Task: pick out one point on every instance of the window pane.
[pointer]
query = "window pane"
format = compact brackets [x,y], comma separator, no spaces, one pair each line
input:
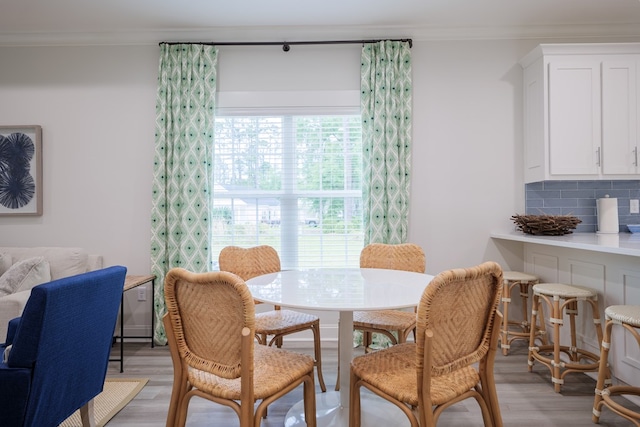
[292,182]
[248,153]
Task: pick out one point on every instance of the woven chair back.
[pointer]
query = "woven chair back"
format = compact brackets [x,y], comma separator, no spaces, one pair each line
[459,307]
[208,312]
[404,256]
[249,262]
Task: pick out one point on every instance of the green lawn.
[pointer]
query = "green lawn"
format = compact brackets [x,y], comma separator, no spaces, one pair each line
[315,249]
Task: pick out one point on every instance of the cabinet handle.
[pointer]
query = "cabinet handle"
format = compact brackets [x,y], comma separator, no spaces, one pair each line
[598,157]
[635,156]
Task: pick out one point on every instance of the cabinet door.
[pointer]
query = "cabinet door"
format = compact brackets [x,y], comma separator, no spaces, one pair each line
[574,118]
[534,124]
[619,117]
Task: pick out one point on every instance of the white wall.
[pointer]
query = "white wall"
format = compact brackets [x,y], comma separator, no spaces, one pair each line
[467,156]
[96,106]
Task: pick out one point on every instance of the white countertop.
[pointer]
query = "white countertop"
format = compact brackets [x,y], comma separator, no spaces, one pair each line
[621,243]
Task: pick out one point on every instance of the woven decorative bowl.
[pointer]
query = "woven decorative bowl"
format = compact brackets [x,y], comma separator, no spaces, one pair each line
[546,225]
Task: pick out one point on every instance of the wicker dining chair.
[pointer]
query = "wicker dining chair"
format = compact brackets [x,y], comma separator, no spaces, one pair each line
[458,327]
[256,261]
[210,324]
[405,256]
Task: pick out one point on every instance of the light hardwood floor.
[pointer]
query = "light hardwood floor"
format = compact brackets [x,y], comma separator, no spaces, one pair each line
[526,399]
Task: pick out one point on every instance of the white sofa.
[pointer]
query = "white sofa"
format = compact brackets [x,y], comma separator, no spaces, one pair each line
[63,262]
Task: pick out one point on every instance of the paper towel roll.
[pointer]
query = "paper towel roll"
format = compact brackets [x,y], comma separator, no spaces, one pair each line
[611,240]
[607,215]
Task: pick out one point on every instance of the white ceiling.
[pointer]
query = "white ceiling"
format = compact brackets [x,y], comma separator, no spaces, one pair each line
[64,21]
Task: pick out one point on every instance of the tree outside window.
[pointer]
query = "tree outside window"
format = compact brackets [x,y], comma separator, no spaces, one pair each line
[292,182]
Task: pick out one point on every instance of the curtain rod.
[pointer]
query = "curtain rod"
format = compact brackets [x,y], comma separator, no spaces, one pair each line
[286,46]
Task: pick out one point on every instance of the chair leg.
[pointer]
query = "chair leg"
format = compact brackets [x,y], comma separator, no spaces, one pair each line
[487,379]
[262,339]
[309,401]
[180,384]
[178,391]
[181,416]
[367,339]
[318,354]
[354,402]
[405,335]
[87,415]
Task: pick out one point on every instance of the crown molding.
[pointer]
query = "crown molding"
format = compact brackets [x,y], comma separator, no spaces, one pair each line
[291,33]
[577,31]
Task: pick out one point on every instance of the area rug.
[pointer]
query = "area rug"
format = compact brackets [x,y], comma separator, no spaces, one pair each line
[117,393]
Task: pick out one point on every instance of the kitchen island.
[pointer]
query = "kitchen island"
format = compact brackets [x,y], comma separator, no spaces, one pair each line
[607,263]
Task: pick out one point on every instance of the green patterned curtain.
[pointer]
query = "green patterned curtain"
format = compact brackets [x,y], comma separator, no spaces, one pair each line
[182,165]
[385,103]
[386,138]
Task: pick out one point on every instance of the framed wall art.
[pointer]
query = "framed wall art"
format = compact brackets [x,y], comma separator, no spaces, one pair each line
[20,170]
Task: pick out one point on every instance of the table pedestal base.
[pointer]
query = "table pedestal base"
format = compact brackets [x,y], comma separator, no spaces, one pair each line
[376,412]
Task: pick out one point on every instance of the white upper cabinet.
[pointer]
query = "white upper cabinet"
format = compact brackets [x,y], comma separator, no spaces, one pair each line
[574,117]
[620,116]
[580,112]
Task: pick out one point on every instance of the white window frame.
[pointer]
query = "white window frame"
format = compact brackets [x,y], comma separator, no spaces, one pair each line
[280,103]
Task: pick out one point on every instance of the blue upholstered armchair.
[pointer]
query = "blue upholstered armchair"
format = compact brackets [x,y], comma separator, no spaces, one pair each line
[60,348]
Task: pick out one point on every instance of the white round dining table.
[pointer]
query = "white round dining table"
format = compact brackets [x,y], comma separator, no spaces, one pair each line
[344,290]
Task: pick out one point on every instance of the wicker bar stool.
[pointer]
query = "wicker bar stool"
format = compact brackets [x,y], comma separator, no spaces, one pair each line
[627,316]
[579,360]
[525,282]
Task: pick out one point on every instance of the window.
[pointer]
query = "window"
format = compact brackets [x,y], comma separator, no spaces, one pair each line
[292,181]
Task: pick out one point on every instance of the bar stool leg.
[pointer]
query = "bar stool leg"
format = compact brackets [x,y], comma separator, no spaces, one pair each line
[524,296]
[524,282]
[535,303]
[604,375]
[542,327]
[596,320]
[628,318]
[572,311]
[557,320]
[562,299]
[506,299]
[540,330]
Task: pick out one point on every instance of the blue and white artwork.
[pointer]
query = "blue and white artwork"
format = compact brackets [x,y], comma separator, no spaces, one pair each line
[19,171]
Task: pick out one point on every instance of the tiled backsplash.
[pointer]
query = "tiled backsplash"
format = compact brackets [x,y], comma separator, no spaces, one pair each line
[578,198]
